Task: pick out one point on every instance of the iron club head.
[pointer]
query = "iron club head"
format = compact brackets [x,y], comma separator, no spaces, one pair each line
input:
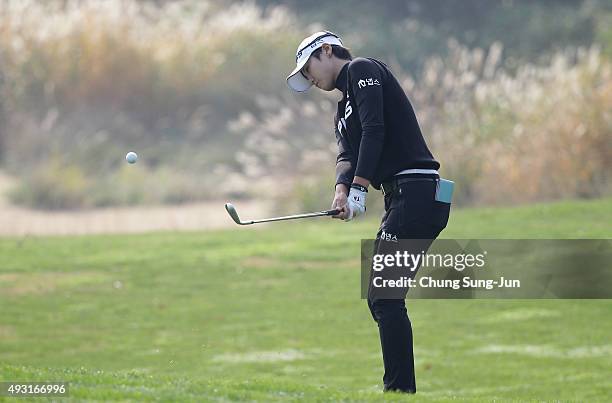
[231,210]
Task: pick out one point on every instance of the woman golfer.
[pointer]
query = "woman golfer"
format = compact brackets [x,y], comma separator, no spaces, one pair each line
[379,144]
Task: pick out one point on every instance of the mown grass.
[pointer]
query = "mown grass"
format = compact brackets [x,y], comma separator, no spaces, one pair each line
[273,314]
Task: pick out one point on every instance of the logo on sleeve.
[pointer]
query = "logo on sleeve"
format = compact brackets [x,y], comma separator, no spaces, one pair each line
[341,125]
[348,109]
[367,82]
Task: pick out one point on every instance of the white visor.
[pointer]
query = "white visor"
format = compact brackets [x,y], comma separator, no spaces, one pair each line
[296,80]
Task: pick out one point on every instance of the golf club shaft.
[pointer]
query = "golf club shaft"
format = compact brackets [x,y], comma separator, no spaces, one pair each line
[296,216]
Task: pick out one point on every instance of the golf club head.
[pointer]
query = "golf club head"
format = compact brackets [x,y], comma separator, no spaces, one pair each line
[231,210]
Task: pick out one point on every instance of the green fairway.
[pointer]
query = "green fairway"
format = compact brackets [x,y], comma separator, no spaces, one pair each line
[273,313]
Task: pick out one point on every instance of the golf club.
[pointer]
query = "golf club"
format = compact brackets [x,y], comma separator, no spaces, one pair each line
[231,210]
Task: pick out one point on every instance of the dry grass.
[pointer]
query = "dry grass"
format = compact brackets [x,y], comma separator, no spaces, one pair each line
[85,80]
[539,133]
[18,221]
[198,216]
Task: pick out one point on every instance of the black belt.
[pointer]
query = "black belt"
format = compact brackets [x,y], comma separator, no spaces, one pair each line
[388,187]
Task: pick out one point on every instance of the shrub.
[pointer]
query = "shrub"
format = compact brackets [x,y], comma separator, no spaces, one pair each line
[54,185]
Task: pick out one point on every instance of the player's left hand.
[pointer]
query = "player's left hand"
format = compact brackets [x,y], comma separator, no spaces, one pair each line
[356,202]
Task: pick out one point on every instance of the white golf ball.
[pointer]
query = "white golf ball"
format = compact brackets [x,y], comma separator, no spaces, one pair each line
[131,157]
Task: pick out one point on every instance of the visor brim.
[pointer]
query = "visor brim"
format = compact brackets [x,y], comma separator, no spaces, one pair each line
[296,80]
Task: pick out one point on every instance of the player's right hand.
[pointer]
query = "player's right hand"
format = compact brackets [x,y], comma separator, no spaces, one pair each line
[340,203]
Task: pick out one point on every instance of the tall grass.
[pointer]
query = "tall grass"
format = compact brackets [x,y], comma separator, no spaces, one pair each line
[84,81]
[540,133]
[197,88]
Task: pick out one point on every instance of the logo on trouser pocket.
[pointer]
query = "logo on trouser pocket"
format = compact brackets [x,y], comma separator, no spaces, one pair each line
[387,236]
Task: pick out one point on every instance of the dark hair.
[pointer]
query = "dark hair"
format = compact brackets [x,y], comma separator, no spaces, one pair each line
[337,50]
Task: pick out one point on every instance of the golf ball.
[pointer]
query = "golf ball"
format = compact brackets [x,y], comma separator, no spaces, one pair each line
[131,157]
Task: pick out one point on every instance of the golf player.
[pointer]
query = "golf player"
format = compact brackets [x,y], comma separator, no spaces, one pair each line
[380,144]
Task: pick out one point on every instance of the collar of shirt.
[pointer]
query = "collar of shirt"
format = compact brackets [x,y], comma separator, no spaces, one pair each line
[341,79]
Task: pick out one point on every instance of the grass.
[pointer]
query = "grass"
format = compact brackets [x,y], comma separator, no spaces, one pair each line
[273,314]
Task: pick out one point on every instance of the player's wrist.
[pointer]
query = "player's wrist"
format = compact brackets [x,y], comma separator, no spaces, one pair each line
[341,188]
[359,187]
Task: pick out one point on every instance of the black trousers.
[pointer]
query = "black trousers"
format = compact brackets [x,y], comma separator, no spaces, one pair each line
[411,212]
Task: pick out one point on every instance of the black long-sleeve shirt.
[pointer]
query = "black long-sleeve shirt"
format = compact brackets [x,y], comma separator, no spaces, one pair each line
[376,128]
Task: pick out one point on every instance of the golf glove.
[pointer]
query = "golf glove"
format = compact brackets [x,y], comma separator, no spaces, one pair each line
[356,201]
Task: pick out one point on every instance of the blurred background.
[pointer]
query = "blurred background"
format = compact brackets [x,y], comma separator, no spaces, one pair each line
[514,98]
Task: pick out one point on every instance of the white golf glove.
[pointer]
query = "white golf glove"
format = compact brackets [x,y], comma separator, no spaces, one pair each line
[356,201]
